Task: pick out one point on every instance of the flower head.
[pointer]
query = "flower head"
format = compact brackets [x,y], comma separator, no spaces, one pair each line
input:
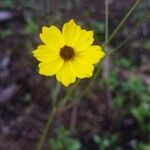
[67,54]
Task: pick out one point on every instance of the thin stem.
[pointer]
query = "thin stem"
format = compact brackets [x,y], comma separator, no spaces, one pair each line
[67,96]
[44,134]
[106,64]
[64,100]
[106,20]
[106,61]
[139,22]
[48,9]
[91,83]
[55,93]
[83,93]
[123,21]
[52,115]
[106,39]
[122,43]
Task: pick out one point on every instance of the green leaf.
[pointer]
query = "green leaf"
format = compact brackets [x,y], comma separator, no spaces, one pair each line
[64,141]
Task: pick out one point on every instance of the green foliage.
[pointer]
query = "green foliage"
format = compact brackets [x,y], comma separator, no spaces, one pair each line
[140,96]
[7,3]
[5,33]
[64,141]
[104,143]
[147,44]
[112,80]
[134,86]
[119,101]
[31,27]
[99,27]
[141,113]
[142,109]
[133,95]
[141,146]
[125,63]
[144,146]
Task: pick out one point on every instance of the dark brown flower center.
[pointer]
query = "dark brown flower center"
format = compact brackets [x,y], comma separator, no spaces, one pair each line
[67,53]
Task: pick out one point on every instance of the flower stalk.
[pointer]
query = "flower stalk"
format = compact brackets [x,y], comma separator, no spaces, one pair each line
[123,21]
[46,130]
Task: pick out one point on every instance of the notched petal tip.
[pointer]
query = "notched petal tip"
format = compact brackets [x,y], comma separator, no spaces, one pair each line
[42,72]
[100,50]
[91,73]
[102,54]
[72,21]
[44,29]
[36,53]
[33,52]
[66,75]
[66,84]
[91,32]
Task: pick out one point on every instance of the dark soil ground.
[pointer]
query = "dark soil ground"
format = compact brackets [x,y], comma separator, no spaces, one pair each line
[25,95]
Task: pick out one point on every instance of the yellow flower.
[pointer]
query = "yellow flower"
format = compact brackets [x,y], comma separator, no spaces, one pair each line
[67,54]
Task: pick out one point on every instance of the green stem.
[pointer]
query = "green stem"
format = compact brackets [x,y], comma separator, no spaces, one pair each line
[48,10]
[106,39]
[52,115]
[55,93]
[122,43]
[44,134]
[67,96]
[106,68]
[123,21]
[139,22]
[91,83]
[106,20]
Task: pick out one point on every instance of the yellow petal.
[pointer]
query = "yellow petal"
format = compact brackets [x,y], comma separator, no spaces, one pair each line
[44,53]
[71,31]
[92,54]
[52,37]
[84,40]
[50,68]
[82,69]
[66,74]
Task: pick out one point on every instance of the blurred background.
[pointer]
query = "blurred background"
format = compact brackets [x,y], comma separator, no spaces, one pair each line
[114,115]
